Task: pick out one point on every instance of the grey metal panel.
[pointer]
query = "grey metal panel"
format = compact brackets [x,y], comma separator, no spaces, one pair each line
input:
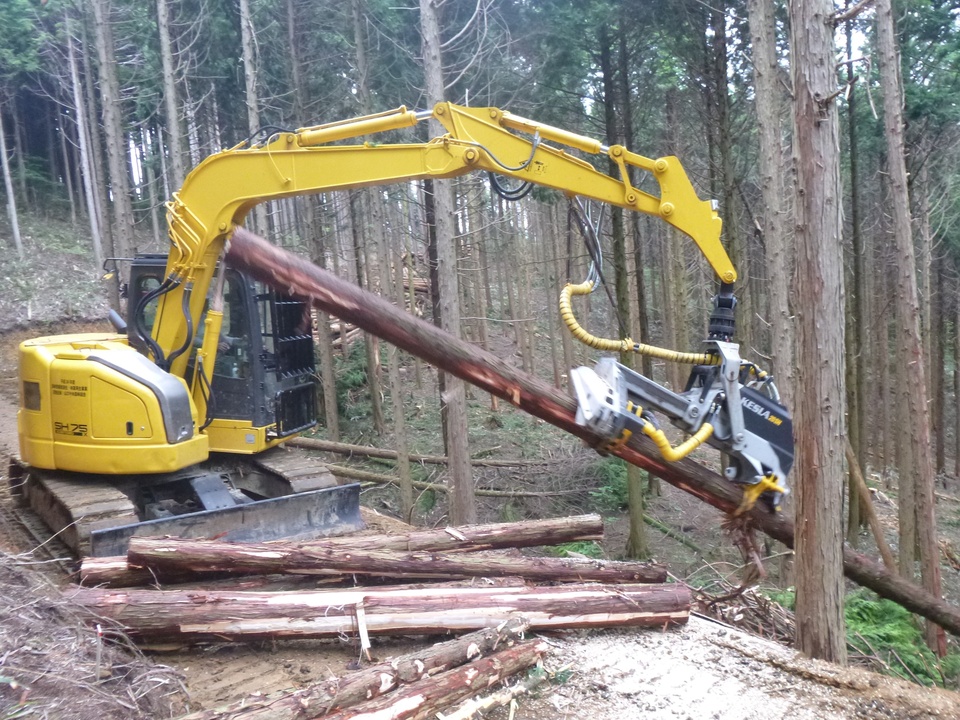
[170,392]
[320,513]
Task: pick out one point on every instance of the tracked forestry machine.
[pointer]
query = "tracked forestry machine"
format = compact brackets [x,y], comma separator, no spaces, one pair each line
[171,424]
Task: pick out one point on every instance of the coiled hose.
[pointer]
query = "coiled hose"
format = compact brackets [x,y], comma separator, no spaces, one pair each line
[626,344]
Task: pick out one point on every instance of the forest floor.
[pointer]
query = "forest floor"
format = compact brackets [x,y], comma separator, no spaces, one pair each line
[706,669]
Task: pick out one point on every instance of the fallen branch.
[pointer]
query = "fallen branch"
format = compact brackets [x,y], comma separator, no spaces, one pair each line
[181,556]
[366,451]
[365,476]
[280,268]
[198,615]
[337,693]
[673,534]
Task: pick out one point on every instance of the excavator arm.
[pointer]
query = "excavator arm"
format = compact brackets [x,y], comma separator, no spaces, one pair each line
[219,192]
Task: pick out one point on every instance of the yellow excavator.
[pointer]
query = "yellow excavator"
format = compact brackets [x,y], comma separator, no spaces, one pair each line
[170,425]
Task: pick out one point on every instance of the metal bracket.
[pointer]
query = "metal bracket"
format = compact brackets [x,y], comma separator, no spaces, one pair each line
[730,382]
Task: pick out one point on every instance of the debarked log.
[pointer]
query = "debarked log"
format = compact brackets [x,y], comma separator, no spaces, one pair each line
[116,572]
[360,686]
[198,615]
[179,556]
[425,699]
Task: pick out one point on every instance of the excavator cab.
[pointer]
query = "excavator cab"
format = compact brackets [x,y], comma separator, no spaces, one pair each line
[263,386]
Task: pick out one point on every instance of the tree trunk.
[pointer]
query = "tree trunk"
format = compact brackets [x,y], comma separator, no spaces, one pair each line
[68,168]
[820,387]
[355,688]
[674,290]
[396,388]
[328,378]
[247,42]
[113,133]
[463,504]
[734,239]
[778,256]
[371,344]
[277,267]
[938,365]
[860,315]
[171,101]
[86,162]
[98,174]
[918,471]
[197,615]
[11,195]
[637,539]
[956,374]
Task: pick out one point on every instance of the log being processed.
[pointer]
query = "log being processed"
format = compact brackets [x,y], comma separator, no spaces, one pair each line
[369,311]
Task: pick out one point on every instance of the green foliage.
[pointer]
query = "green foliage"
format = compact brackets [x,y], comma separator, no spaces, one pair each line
[787,598]
[509,512]
[587,548]
[20,39]
[611,496]
[882,627]
[351,373]
[426,501]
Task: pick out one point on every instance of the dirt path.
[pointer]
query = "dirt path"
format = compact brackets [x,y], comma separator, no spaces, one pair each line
[703,671]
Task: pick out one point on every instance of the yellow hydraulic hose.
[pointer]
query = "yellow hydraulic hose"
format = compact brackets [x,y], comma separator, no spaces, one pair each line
[626,344]
[672,454]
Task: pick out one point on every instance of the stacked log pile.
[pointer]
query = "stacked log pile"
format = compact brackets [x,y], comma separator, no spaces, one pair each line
[455,580]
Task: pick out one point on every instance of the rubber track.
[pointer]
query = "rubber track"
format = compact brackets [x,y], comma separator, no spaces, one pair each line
[22,532]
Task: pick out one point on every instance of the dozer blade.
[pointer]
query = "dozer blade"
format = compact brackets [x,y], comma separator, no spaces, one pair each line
[318,513]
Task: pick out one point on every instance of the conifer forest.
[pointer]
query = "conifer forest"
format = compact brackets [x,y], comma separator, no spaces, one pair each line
[825,133]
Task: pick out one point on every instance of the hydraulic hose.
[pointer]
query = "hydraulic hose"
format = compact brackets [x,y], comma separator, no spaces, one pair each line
[673,454]
[626,344]
[188,341]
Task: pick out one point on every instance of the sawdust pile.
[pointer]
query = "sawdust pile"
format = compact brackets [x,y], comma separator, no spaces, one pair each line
[53,665]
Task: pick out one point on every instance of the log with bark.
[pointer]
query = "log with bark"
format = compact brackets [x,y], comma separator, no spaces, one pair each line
[116,572]
[198,615]
[363,685]
[325,291]
[181,556]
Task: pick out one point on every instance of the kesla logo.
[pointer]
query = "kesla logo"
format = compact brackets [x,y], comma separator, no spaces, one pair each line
[760,410]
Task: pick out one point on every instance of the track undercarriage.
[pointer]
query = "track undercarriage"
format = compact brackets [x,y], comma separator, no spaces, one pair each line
[276,494]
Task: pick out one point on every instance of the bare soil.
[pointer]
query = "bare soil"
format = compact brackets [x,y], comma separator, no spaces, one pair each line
[703,670]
